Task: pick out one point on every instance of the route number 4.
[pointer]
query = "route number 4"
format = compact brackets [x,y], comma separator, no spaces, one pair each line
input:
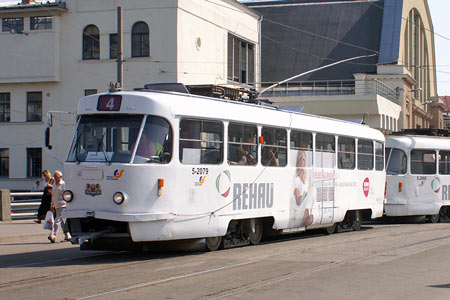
[110,103]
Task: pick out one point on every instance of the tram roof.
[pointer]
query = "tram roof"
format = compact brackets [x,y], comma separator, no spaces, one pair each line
[170,104]
[409,141]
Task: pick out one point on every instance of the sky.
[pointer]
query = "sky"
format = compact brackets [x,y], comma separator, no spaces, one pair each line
[439,10]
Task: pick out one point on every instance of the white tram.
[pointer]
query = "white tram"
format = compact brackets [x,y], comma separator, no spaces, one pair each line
[155,166]
[418,175]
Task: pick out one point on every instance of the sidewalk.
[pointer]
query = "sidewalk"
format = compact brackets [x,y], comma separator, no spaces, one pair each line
[21,230]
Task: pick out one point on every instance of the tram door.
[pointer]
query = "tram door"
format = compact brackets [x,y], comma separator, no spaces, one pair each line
[323,178]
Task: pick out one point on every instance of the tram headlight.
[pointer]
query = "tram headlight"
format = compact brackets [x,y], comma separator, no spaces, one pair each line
[120,197]
[68,196]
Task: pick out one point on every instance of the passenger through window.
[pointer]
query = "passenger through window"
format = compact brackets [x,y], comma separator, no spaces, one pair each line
[242,144]
[274,149]
[155,145]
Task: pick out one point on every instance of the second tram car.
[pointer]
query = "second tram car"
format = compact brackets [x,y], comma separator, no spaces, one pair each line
[155,166]
[418,175]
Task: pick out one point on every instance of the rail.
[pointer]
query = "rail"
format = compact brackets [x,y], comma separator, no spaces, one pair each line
[332,87]
[24,205]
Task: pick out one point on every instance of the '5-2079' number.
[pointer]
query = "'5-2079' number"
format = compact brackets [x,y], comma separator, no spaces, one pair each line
[199,171]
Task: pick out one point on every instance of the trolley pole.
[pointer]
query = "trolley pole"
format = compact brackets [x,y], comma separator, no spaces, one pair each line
[120,46]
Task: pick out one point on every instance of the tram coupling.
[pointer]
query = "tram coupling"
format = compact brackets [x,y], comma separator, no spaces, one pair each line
[89,237]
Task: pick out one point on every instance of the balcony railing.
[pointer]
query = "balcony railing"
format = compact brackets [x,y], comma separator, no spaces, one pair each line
[331,88]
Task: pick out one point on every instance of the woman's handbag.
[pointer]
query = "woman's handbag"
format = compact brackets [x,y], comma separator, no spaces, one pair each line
[48,222]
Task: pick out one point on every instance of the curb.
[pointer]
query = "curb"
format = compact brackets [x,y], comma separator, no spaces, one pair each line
[23,238]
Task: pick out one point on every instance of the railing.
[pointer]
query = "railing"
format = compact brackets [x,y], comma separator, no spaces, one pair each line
[332,87]
[25,205]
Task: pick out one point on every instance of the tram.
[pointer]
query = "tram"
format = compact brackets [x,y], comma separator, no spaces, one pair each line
[418,174]
[148,166]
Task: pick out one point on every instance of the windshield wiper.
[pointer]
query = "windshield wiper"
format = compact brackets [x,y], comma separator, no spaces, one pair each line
[100,143]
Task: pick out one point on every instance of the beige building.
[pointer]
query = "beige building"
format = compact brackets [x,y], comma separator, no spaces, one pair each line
[393,89]
[54,53]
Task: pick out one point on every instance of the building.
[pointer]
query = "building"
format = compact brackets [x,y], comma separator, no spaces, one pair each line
[446,101]
[54,53]
[391,86]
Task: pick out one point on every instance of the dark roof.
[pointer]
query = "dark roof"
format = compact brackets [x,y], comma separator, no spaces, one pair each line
[293,38]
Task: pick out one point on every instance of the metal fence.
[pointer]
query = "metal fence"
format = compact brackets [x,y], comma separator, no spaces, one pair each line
[25,205]
[332,87]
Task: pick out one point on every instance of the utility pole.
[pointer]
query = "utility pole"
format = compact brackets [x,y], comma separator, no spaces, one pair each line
[120,50]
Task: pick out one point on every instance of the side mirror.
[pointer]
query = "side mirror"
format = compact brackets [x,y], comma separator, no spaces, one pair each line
[47,138]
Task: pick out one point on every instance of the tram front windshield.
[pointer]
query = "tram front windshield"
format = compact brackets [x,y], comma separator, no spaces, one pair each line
[105,138]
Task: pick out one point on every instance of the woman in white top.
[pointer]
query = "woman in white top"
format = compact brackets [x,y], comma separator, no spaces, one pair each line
[303,200]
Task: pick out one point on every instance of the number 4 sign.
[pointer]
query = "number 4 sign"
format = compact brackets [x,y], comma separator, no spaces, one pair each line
[109,103]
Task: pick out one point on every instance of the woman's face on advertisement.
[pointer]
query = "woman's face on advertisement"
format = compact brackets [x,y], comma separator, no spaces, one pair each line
[302,161]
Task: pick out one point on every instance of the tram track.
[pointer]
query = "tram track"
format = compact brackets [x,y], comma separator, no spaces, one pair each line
[174,275]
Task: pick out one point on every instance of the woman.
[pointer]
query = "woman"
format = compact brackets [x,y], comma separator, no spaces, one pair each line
[301,189]
[46,196]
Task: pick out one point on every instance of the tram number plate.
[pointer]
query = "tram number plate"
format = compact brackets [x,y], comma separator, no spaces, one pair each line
[200,171]
[109,103]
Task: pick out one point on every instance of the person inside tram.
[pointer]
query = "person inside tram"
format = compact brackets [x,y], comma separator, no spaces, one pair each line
[269,157]
[241,158]
[148,147]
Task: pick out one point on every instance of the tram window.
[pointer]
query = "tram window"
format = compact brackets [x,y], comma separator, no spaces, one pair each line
[155,145]
[274,149]
[106,138]
[397,161]
[325,154]
[346,153]
[365,155]
[444,162]
[423,162]
[242,145]
[201,142]
[302,141]
[379,156]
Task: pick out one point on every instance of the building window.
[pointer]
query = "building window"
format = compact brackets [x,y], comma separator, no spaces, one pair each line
[34,106]
[41,23]
[91,42]
[34,162]
[241,60]
[4,162]
[12,24]
[5,104]
[113,46]
[140,40]
[90,92]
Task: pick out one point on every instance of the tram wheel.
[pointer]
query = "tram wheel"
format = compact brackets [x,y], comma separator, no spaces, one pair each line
[331,229]
[214,243]
[254,229]
[357,220]
[434,218]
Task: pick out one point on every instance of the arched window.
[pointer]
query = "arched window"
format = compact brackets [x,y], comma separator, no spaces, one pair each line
[91,42]
[140,40]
